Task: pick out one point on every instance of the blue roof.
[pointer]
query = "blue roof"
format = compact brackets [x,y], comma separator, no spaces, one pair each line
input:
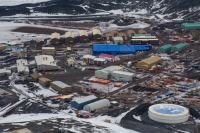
[168,109]
[116,47]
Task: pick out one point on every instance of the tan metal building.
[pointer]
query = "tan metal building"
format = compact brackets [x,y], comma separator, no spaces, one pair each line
[25,130]
[33,77]
[22,54]
[109,36]
[41,41]
[69,37]
[83,36]
[149,62]
[114,33]
[48,50]
[61,87]
[55,38]
[195,33]
[123,35]
[45,81]
[131,33]
[142,31]
[96,34]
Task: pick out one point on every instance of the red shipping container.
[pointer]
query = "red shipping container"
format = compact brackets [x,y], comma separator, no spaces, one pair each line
[151,70]
[140,70]
[86,116]
[198,97]
[189,96]
[156,68]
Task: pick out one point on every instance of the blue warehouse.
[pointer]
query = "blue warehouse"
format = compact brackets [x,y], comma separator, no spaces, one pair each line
[115,49]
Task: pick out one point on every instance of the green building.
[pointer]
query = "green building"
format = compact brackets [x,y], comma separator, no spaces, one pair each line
[179,47]
[186,26]
[142,34]
[165,49]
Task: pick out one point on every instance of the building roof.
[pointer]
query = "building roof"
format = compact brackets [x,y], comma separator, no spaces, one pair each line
[178,19]
[96,31]
[114,31]
[99,59]
[122,48]
[180,45]
[109,34]
[4,70]
[166,46]
[85,99]
[89,56]
[117,38]
[35,75]
[107,55]
[112,68]
[121,34]
[69,48]
[131,32]
[21,65]
[123,73]
[45,60]
[25,130]
[69,34]
[70,61]
[97,104]
[60,84]
[151,60]
[142,34]
[82,33]
[48,47]
[44,79]
[55,35]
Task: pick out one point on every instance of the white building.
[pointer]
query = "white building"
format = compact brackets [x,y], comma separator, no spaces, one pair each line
[97,105]
[106,72]
[123,76]
[5,72]
[118,40]
[21,66]
[178,20]
[89,59]
[46,62]
[100,61]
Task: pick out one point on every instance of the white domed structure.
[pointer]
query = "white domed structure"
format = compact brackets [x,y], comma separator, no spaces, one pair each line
[168,113]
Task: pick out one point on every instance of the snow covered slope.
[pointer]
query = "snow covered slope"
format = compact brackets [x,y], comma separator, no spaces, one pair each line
[18,2]
[171,8]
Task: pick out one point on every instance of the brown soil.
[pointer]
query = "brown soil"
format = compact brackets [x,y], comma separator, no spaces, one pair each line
[38,30]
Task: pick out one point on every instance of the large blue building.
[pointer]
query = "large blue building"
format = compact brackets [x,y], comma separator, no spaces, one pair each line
[115,49]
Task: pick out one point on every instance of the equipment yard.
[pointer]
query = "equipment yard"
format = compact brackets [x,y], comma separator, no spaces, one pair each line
[105,74]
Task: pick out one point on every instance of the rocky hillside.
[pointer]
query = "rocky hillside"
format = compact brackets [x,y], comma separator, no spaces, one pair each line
[172,8]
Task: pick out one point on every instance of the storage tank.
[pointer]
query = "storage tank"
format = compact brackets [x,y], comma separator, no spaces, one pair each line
[168,113]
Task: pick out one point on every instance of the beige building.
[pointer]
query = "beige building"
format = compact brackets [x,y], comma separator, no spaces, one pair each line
[114,33]
[48,50]
[131,33]
[61,87]
[149,62]
[45,81]
[55,38]
[123,35]
[96,34]
[142,31]
[25,130]
[118,40]
[195,33]
[69,37]
[83,36]
[22,54]
[109,36]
